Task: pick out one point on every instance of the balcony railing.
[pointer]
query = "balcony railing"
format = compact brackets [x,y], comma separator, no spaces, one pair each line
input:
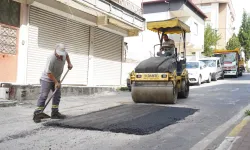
[123,3]
[130,6]
[115,7]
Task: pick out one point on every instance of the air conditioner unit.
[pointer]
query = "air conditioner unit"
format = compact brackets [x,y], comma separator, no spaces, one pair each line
[4,93]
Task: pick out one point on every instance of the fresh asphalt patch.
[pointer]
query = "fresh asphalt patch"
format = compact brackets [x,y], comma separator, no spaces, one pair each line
[129,119]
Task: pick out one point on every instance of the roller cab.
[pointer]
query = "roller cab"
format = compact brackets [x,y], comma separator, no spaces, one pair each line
[162,78]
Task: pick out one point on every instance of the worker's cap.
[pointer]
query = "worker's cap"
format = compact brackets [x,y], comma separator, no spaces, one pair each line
[60,49]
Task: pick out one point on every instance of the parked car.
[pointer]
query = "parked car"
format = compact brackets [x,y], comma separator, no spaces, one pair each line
[216,67]
[198,72]
[128,84]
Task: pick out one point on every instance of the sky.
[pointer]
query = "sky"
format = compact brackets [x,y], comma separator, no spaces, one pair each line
[239,5]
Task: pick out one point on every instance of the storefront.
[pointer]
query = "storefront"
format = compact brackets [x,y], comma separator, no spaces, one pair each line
[47,28]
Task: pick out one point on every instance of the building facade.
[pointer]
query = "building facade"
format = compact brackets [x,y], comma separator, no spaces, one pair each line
[93,31]
[143,46]
[221,17]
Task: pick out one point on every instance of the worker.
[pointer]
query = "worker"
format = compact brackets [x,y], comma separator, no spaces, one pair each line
[50,80]
[167,41]
[167,46]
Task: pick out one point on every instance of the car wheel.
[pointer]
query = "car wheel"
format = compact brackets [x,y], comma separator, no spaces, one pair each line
[209,78]
[222,76]
[237,74]
[215,77]
[129,89]
[199,80]
[185,92]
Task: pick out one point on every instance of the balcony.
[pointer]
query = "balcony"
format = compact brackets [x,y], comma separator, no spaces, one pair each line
[118,16]
[122,10]
[130,6]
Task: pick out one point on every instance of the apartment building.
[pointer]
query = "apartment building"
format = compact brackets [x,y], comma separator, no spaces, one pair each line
[221,16]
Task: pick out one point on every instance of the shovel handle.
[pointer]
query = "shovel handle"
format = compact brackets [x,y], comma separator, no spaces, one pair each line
[55,91]
[65,75]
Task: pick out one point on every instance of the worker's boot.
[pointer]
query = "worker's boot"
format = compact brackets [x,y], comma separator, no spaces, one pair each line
[38,115]
[57,115]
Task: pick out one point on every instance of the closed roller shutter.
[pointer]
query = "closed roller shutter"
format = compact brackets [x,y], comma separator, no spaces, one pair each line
[45,30]
[107,58]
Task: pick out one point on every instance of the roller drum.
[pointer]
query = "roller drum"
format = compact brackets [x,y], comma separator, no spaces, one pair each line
[163,94]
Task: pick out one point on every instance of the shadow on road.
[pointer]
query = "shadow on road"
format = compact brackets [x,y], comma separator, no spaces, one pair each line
[129,119]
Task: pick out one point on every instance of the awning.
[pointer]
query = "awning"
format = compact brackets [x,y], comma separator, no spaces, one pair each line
[171,26]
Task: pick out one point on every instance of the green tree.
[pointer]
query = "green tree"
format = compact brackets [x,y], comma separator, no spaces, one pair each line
[210,39]
[233,43]
[244,34]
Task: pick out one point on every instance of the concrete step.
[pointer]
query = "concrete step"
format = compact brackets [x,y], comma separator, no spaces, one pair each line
[7,103]
[31,92]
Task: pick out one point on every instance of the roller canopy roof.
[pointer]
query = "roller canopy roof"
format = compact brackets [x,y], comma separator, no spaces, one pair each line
[171,26]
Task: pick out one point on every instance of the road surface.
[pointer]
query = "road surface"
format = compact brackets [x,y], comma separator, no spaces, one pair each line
[113,121]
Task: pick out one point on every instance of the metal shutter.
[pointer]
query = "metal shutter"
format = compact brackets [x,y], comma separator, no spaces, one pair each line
[45,30]
[107,58]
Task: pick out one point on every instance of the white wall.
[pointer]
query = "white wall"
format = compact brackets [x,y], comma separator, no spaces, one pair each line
[229,25]
[140,47]
[137,2]
[22,45]
[215,15]
[228,32]
[213,9]
[197,39]
[126,69]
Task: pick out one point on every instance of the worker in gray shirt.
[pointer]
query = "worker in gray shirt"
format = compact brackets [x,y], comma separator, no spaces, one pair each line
[50,80]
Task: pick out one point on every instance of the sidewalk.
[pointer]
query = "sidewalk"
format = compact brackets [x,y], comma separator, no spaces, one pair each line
[239,137]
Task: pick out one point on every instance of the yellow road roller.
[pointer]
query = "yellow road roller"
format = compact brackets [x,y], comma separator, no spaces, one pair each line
[163,78]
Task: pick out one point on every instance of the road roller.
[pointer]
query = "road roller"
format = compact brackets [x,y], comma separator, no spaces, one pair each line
[163,78]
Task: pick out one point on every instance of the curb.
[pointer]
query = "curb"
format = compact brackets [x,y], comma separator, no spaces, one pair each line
[7,103]
[233,135]
[202,145]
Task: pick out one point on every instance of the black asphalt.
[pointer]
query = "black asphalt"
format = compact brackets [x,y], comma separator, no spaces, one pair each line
[129,119]
[216,104]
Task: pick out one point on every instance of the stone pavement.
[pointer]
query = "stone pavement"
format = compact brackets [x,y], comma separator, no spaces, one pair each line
[243,139]
[238,138]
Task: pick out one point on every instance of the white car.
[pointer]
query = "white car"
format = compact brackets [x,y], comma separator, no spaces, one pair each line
[215,66]
[198,72]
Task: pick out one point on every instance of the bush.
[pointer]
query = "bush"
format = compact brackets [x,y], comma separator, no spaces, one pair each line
[247,112]
[124,89]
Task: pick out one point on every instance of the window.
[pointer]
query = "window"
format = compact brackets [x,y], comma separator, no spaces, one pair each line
[206,8]
[218,63]
[192,65]
[195,28]
[10,12]
[209,63]
[202,64]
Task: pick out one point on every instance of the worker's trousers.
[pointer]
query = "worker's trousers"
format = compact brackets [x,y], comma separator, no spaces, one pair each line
[46,87]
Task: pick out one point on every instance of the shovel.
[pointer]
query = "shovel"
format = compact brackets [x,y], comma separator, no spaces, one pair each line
[37,118]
